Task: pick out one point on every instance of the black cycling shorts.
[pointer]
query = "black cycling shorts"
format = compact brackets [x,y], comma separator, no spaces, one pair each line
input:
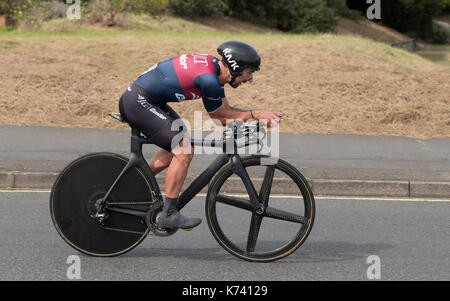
[160,123]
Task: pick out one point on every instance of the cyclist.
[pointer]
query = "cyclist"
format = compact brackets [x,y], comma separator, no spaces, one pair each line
[190,76]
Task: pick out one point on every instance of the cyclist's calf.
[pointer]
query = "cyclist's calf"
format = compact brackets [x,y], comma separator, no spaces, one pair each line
[160,161]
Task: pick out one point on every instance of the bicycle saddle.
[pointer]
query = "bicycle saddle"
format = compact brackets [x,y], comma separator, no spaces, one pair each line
[117,117]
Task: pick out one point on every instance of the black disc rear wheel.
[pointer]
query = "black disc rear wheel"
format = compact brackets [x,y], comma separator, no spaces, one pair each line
[82,218]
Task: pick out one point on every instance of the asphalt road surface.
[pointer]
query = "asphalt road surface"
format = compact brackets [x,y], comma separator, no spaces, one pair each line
[408,239]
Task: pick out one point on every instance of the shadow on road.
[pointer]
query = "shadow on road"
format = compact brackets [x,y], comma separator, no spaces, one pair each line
[326,251]
[329,251]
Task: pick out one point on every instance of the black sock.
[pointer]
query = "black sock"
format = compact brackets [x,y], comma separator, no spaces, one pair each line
[171,199]
[170,205]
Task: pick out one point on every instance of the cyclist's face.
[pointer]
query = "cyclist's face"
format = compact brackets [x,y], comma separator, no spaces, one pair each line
[246,76]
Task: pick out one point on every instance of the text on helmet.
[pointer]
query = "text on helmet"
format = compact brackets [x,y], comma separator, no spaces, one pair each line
[229,56]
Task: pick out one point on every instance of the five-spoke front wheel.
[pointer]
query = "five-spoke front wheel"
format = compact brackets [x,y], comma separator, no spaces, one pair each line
[280,229]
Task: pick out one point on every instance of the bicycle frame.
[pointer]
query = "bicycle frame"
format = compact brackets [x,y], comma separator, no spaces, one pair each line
[137,160]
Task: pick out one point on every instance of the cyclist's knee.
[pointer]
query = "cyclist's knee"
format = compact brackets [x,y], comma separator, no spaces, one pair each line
[183,153]
[183,158]
[184,150]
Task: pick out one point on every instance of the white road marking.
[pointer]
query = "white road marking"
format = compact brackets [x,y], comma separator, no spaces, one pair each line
[281,196]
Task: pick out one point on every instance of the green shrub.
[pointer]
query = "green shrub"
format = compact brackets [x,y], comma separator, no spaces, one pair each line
[409,16]
[58,9]
[27,14]
[192,8]
[295,16]
[340,7]
[445,6]
[106,12]
[152,7]
[113,12]
[441,32]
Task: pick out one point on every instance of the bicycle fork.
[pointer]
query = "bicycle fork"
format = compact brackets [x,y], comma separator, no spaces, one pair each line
[239,169]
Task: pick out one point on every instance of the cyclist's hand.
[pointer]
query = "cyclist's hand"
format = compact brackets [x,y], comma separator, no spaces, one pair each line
[272,118]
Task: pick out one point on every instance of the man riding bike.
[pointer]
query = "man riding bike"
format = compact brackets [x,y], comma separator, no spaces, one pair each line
[190,76]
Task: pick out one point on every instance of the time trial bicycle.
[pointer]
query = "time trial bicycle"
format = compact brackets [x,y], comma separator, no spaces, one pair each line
[258,208]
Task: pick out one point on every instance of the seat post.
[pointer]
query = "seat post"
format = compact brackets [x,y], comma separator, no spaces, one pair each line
[135,132]
[136,141]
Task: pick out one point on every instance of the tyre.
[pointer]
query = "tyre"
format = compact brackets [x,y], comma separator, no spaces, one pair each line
[283,226]
[76,201]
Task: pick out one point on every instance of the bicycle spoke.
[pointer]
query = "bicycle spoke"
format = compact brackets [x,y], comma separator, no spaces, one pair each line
[263,197]
[284,215]
[255,225]
[266,185]
[234,201]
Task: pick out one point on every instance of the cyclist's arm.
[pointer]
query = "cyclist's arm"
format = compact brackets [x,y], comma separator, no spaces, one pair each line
[225,102]
[216,104]
[225,111]
[215,101]
[228,112]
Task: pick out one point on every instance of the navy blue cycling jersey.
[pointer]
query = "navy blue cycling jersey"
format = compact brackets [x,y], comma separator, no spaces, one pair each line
[185,77]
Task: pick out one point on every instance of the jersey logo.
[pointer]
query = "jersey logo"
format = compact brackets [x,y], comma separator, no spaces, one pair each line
[214,99]
[180,97]
[183,61]
[201,59]
[144,103]
[229,56]
[153,110]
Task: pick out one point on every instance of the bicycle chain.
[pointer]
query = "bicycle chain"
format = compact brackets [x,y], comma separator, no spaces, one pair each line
[127,204]
[123,230]
[131,203]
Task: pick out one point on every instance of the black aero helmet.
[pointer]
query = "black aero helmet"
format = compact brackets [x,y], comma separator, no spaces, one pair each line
[239,56]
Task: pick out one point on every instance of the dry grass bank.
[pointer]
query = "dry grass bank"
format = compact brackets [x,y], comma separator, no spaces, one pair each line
[320,83]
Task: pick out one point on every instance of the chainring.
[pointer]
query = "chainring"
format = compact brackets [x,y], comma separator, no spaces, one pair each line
[151,221]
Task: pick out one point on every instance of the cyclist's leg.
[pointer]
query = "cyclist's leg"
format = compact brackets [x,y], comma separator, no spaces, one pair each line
[159,124]
[177,154]
[182,153]
[152,119]
[176,174]
[160,161]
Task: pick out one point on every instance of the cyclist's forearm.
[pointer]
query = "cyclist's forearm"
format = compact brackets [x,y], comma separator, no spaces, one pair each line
[239,110]
[244,115]
[234,109]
